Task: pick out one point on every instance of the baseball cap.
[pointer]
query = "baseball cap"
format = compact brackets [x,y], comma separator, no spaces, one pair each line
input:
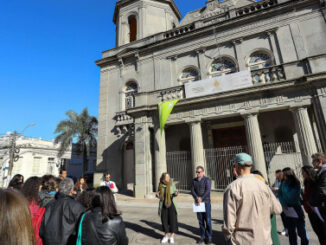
[243,159]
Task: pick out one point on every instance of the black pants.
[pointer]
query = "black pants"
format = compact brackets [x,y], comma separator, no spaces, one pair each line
[169,219]
[318,226]
[284,220]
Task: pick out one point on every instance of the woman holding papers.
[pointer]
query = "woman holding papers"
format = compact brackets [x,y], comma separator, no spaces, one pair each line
[167,207]
[289,196]
[309,176]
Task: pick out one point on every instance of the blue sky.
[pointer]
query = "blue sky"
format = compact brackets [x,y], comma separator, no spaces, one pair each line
[48,49]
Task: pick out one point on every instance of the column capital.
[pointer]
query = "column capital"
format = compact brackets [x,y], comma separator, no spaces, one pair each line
[249,113]
[193,120]
[300,105]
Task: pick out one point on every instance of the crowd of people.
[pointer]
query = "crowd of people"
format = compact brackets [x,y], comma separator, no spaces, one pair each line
[51,210]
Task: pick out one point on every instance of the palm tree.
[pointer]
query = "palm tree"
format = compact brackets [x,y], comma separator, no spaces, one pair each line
[80,129]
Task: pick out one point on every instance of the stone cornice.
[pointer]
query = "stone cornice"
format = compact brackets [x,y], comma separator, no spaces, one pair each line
[154,42]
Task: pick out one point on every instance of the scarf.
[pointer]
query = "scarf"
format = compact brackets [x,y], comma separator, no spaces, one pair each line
[167,197]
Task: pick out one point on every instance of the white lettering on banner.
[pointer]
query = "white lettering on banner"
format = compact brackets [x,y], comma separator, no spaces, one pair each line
[219,84]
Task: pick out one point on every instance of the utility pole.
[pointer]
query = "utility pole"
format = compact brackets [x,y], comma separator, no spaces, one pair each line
[13,152]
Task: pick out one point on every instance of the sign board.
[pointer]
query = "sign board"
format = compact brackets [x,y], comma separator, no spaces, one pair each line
[219,84]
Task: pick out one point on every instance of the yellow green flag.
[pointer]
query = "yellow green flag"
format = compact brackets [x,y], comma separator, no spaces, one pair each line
[164,110]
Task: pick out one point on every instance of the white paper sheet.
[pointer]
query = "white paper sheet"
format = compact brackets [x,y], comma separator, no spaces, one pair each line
[200,208]
[290,213]
[319,215]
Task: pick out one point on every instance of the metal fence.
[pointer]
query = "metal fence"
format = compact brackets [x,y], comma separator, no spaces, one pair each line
[281,155]
[179,166]
[219,165]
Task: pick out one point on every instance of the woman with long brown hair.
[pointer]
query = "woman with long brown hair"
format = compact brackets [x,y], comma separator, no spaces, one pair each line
[80,186]
[31,191]
[167,207]
[16,222]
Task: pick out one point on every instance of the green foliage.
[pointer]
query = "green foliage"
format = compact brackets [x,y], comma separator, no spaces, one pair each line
[77,128]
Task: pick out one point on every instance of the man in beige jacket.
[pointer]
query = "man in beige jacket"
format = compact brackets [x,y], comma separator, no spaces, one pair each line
[248,206]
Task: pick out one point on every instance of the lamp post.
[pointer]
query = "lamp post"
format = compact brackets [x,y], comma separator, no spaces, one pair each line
[14,150]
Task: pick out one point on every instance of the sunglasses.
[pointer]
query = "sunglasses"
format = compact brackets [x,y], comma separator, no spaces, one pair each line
[199,172]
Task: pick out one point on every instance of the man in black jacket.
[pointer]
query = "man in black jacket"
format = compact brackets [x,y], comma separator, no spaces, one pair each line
[201,192]
[61,217]
[319,162]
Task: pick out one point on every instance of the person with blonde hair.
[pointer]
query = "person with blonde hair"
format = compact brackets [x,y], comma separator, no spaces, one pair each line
[167,207]
[16,221]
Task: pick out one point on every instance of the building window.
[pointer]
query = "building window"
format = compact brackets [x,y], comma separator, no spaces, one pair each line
[36,168]
[51,165]
[189,75]
[129,93]
[259,60]
[221,67]
[132,28]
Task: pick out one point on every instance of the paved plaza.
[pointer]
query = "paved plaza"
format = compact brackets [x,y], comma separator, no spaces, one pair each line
[144,225]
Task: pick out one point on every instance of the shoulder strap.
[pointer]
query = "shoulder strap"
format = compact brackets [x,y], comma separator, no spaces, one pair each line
[79,238]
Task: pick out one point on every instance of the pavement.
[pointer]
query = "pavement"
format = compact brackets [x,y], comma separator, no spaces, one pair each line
[143,225]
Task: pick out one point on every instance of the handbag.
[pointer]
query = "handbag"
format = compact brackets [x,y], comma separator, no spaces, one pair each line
[79,237]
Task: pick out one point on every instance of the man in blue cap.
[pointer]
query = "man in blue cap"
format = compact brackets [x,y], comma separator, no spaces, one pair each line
[247,206]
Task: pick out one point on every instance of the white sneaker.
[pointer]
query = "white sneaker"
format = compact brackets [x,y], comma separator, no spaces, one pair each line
[171,240]
[165,240]
[285,232]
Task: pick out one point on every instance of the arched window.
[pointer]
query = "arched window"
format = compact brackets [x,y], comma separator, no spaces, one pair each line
[189,75]
[222,66]
[132,21]
[259,60]
[129,95]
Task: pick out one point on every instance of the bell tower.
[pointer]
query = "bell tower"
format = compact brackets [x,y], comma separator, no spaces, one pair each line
[137,19]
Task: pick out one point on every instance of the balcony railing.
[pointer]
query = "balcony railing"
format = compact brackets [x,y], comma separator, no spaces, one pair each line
[268,74]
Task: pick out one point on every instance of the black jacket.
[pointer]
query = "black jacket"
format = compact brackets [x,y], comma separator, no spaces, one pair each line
[94,232]
[60,220]
[321,190]
[201,189]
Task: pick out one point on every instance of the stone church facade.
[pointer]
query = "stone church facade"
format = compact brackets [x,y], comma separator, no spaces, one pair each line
[281,43]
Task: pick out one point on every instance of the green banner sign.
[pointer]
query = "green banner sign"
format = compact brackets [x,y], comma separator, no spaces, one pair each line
[165,109]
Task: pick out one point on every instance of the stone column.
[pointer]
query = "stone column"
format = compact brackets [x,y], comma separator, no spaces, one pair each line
[306,137]
[197,148]
[160,155]
[319,106]
[202,63]
[174,75]
[143,161]
[254,141]
[272,42]
[239,55]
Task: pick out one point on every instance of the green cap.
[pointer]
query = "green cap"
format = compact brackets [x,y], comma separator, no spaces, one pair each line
[243,159]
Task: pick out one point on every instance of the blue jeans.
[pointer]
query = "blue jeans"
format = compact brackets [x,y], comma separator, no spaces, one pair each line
[296,226]
[205,222]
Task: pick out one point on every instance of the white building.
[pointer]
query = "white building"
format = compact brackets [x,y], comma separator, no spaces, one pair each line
[280,119]
[38,157]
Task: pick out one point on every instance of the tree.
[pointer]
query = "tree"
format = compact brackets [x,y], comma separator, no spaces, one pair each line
[80,129]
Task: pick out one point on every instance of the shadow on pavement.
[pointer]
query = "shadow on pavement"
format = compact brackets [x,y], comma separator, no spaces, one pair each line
[218,236]
[159,227]
[143,230]
[218,221]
